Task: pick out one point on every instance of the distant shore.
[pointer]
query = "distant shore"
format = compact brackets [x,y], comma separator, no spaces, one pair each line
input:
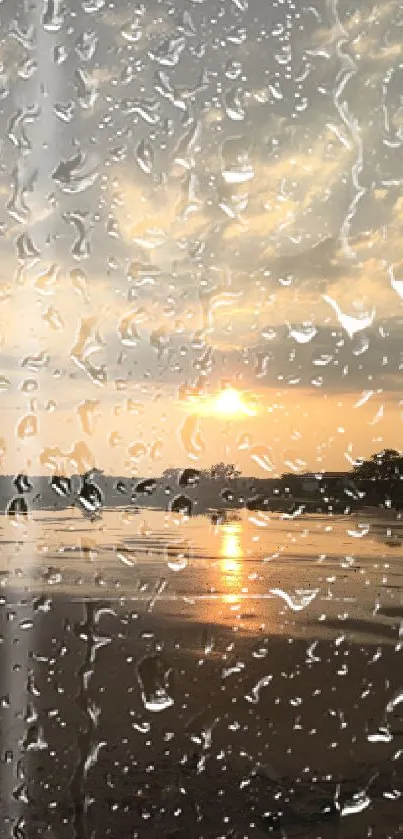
[186,491]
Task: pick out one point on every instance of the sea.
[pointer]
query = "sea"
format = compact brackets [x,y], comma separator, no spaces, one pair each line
[166,675]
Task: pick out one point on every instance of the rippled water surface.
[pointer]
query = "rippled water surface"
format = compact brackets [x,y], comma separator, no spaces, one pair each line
[167,676]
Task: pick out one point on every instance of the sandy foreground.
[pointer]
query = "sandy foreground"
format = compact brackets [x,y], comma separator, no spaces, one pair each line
[194,710]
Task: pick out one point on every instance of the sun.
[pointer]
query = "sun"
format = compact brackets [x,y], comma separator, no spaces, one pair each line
[230,403]
[227,402]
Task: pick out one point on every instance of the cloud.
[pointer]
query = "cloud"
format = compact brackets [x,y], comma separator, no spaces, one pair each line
[217,231]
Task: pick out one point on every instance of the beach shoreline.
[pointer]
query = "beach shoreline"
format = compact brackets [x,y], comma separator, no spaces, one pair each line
[273,722]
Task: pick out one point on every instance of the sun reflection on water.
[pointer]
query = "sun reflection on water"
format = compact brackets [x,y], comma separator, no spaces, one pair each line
[231,554]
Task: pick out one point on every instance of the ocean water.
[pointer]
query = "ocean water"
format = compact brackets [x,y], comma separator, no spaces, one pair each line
[169,676]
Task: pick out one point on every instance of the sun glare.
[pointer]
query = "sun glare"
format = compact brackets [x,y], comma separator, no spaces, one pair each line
[230,403]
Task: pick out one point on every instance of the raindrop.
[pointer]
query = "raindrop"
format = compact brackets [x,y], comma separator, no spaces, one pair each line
[177,564]
[29,385]
[93,6]
[46,282]
[181,504]
[18,831]
[42,604]
[153,678]
[233,69]
[359,802]
[27,426]
[396,700]
[234,104]
[52,19]
[150,239]
[81,247]
[76,174]
[121,488]
[236,166]
[351,324]
[90,497]
[17,507]
[147,109]
[28,624]
[159,339]
[127,329]
[23,484]
[87,91]
[189,477]
[88,412]
[147,487]
[16,128]
[169,51]
[54,319]
[132,31]
[186,25]
[262,456]
[86,45]
[52,576]
[254,695]
[26,250]
[60,53]
[145,157]
[5,383]
[303,334]
[89,342]
[187,146]
[191,437]
[36,362]
[34,740]
[79,282]
[61,486]
[298,601]
[137,450]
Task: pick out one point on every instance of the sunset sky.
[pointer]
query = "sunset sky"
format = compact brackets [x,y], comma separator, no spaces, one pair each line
[200,195]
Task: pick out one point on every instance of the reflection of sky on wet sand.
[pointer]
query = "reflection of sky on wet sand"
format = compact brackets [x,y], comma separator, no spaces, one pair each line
[288,576]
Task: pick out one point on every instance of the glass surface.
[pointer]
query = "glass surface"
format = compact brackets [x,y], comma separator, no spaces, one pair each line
[201,538]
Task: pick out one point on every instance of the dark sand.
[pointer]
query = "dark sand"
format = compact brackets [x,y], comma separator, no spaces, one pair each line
[225,757]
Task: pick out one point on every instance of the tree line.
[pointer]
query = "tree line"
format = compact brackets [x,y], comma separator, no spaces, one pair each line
[386,465]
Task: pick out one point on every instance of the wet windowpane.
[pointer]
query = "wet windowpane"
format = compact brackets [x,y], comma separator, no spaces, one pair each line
[201,613]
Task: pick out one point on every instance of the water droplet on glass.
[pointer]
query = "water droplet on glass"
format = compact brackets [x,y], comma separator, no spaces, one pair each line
[85,45]
[27,426]
[169,51]
[17,507]
[145,157]
[154,682]
[76,174]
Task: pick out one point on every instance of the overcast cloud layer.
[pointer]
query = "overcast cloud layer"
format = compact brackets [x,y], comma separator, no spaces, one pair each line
[194,192]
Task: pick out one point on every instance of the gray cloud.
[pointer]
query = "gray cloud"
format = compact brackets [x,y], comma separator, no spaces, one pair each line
[272,86]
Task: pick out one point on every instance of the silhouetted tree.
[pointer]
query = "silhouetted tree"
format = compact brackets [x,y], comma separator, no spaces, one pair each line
[386,465]
[384,471]
[223,471]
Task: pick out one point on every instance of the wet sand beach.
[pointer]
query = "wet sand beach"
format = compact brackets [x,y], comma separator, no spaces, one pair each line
[217,686]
